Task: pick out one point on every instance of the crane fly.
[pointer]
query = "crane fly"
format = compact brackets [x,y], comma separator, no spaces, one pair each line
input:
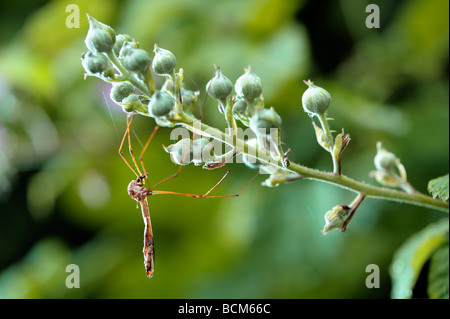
[139,192]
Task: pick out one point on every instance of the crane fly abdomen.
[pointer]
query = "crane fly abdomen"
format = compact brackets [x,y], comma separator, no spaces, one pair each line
[138,192]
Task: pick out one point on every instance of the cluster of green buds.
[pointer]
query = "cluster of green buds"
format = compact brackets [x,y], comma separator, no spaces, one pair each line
[249,102]
[390,171]
[97,64]
[118,59]
[316,101]
[247,106]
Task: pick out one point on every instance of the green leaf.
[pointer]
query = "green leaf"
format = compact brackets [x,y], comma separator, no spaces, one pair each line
[410,258]
[438,275]
[438,187]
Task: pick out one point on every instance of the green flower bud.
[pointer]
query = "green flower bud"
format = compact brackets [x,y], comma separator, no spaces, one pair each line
[127,48]
[95,63]
[335,218]
[161,104]
[249,85]
[136,60]
[240,106]
[264,120]
[132,103]
[384,160]
[100,37]
[278,176]
[120,91]
[121,40]
[338,142]
[219,87]
[164,61]
[241,112]
[188,97]
[315,99]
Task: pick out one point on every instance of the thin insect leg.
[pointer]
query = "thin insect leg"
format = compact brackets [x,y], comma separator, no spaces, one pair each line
[234,195]
[168,178]
[130,148]
[127,133]
[141,156]
[218,183]
[158,192]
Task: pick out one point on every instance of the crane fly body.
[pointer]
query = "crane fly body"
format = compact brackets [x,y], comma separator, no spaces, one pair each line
[138,192]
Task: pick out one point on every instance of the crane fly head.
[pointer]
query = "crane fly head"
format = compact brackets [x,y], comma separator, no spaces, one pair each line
[136,189]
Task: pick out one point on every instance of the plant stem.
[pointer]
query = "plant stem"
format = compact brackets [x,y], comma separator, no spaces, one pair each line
[417,199]
[343,181]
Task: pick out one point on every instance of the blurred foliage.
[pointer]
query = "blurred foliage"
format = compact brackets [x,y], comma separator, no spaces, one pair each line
[63,196]
[414,253]
[438,187]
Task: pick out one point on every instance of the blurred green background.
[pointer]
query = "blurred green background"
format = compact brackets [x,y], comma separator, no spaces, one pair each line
[63,197]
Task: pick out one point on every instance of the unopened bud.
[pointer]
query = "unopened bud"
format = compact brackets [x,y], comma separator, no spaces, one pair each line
[164,61]
[132,103]
[384,160]
[188,97]
[338,145]
[315,100]
[240,106]
[264,120]
[219,87]
[120,91]
[100,37]
[96,63]
[335,218]
[248,85]
[161,104]
[136,60]
[121,40]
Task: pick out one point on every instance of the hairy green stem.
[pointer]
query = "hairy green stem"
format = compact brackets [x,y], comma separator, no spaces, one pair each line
[343,181]
[417,199]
